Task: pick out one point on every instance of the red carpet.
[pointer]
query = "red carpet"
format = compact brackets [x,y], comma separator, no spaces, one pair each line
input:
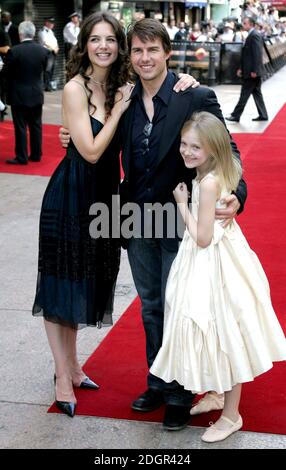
[52,151]
[118,364]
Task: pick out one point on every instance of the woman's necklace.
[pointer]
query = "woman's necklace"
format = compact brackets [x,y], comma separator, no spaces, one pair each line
[95,81]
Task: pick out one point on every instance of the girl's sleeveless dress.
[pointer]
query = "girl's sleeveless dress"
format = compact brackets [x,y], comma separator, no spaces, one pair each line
[76,272]
[220,327]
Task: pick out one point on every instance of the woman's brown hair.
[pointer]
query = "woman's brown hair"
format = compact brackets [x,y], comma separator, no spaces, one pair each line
[79,60]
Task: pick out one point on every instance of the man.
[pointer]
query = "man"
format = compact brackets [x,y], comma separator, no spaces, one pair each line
[4,41]
[71,32]
[49,41]
[228,33]
[151,178]
[10,28]
[4,47]
[153,167]
[251,72]
[172,28]
[25,66]
[182,33]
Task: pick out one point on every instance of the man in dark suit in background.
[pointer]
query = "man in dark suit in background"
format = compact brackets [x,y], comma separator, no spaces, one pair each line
[25,66]
[4,47]
[48,39]
[251,72]
[10,28]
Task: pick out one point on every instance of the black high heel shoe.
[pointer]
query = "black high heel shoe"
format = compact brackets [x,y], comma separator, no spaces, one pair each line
[67,407]
[86,383]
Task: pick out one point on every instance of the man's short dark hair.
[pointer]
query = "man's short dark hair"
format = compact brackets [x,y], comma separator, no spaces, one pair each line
[149,29]
[251,20]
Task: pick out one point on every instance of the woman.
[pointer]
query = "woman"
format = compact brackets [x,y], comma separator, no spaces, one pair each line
[77,273]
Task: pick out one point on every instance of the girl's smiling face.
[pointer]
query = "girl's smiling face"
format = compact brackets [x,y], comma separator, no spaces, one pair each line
[195,155]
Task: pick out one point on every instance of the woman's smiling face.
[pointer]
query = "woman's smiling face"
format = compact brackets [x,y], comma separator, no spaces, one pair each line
[102,45]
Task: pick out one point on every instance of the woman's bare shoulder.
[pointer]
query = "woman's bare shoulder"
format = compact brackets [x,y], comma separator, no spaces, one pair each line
[74,84]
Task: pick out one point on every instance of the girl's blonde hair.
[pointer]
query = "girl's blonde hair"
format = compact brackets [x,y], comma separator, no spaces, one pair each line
[215,139]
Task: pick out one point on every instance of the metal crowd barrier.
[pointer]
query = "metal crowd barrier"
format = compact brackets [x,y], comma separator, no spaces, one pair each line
[214,62]
[201,59]
[276,51]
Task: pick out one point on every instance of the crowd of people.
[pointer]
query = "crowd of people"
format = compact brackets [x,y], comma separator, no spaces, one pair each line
[267,23]
[207,314]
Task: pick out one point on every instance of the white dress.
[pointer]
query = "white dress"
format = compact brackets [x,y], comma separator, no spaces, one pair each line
[220,327]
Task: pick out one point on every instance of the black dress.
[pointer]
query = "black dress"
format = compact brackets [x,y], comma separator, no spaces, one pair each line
[77,273]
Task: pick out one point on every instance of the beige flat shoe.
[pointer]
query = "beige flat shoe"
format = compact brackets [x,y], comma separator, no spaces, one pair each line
[213,434]
[210,402]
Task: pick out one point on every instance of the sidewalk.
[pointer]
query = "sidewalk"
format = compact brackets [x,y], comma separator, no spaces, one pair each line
[26,365]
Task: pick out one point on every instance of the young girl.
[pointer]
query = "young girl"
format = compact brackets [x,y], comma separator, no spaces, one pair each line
[220,328]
